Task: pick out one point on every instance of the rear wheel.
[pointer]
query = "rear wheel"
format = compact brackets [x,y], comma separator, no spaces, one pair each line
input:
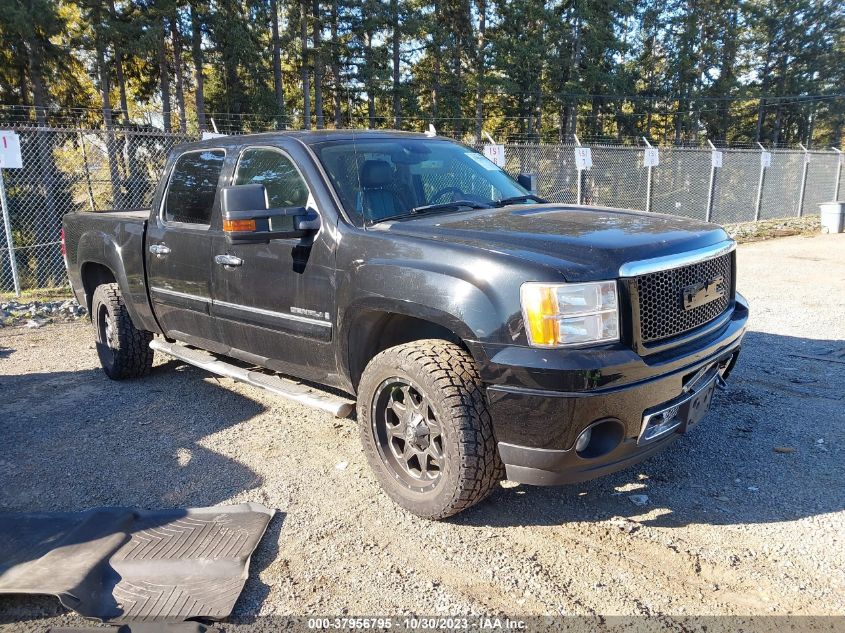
[426,430]
[124,350]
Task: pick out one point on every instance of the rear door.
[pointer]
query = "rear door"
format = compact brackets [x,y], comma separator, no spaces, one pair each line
[277,303]
[179,245]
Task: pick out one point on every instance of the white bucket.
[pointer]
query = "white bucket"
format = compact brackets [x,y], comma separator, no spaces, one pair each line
[833,217]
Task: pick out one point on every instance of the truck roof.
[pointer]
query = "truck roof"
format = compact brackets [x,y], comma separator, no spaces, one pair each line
[309,137]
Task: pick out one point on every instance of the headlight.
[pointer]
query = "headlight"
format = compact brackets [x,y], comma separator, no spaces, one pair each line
[560,315]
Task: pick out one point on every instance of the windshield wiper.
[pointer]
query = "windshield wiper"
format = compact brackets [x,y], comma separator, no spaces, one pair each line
[516,199]
[431,208]
[449,205]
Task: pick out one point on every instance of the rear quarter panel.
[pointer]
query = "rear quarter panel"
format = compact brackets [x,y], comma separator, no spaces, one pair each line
[115,240]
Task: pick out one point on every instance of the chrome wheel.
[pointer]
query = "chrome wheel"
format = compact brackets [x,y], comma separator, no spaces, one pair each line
[408,434]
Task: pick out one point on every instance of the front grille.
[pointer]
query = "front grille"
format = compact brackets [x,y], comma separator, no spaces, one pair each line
[660,298]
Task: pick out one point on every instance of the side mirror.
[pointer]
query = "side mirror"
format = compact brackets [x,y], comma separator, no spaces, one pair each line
[246,217]
[528,181]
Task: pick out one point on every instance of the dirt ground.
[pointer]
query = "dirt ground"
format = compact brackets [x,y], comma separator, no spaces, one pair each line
[731,525]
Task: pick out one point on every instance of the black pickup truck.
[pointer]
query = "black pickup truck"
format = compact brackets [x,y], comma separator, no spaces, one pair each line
[483,332]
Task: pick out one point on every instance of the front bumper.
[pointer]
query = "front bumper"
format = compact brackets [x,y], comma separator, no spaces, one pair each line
[536,426]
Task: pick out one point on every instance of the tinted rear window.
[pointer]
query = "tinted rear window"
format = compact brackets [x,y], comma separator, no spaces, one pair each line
[193,185]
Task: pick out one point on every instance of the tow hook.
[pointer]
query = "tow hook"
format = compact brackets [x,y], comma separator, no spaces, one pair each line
[720,383]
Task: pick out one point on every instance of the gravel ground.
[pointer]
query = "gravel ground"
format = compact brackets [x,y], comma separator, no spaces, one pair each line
[745,515]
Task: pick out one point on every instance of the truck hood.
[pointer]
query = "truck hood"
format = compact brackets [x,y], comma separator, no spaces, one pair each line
[582,243]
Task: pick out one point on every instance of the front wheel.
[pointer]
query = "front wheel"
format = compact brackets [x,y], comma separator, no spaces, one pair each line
[426,430]
[124,350]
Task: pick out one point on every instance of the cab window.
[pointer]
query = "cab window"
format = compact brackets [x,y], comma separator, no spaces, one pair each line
[269,167]
[193,186]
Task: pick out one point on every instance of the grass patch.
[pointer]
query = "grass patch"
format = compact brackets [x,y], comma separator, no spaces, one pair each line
[769,229]
[43,294]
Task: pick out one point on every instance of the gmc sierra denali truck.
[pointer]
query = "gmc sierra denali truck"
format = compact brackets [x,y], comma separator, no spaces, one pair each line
[483,332]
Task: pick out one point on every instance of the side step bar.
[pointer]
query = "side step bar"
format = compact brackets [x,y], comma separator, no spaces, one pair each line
[336,405]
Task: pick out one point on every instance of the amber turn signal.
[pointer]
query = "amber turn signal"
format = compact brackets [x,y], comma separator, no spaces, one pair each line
[238,226]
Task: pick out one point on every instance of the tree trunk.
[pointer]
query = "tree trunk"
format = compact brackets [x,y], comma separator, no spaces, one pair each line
[561,122]
[121,84]
[764,87]
[196,53]
[118,69]
[103,77]
[23,87]
[371,89]
[679,121]
[776,132]
[164,76]
[278,86]
[177,62]
[306,75]
[39,92]
[318,65]
[396,40]
[338,114]
[435,46]
[457,69]
[47,230]
[480,67]
[572,106]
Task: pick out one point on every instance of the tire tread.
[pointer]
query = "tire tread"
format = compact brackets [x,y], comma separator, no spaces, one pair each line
[134,358]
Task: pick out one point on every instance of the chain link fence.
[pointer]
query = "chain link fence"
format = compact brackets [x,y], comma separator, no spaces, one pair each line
[681,182]
[92,170]
[68,170]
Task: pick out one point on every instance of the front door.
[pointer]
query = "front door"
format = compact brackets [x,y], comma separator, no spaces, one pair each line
[274,302]
[179,249]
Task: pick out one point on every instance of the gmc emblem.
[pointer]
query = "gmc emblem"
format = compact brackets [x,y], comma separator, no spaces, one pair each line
[703,293]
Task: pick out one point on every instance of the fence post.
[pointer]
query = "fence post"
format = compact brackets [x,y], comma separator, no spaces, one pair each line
[711,189]
[759,204]
[578,171]
[7,223]
[648,182]
[839,160]
[803,180]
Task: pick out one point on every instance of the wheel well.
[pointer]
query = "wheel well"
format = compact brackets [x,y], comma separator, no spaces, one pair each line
[374,332]
[94,275]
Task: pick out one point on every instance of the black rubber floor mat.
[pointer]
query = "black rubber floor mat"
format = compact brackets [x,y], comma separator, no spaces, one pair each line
[143,627]
[122,564]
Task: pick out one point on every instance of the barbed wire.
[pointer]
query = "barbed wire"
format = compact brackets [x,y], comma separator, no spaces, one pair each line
[462,128]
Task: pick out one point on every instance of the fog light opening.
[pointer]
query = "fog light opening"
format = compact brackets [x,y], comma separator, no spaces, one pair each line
[599,439]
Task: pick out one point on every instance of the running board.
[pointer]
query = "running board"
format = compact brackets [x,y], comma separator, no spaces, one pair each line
[292,390]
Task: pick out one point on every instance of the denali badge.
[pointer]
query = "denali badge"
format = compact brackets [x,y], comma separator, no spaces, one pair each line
[700,294]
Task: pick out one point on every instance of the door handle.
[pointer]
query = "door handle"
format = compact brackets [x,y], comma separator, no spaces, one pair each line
[159,250]
[228,260]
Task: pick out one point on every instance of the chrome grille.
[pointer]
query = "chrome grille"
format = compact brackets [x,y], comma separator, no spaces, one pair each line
[660,297]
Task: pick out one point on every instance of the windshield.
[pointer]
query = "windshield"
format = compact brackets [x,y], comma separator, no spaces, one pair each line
[385,178]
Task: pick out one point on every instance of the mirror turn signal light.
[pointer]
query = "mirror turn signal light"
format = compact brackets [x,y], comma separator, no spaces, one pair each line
[238,226]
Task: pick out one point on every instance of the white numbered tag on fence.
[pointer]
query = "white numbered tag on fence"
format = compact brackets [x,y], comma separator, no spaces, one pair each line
[495,154]
[10,150]
[766,159]
[583,158]
[651,158]
[716,159]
